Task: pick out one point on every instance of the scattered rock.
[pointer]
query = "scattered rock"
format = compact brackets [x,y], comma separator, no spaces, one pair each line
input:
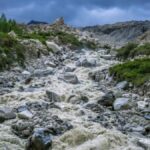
[121,103]
[80,99]
[53,46]
[70,78]
[6,114]
[86,63]
[53,97]
[22,129]
[69,69]
[41,139]
[122,85]
[42,73]
[107,99]
[50,64]
[142,105]
[26,114]
[145,143]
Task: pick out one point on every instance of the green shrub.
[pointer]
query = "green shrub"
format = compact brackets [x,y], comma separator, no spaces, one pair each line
[136,72]
[125,51]
[11,51]
[132,49]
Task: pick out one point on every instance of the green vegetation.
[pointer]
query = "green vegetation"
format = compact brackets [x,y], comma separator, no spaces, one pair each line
[9,25]
[136,72]
[132,49]
[10,51]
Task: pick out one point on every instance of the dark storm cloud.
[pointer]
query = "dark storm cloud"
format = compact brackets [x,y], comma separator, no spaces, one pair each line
[77,12]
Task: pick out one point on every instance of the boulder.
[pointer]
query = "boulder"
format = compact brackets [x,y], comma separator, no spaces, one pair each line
[26,114]
[53,97]
[107,99]
[97,75]
[122,85]
[53,46]
[86,63]
[40,140]
[78,99]
[121,103]
[70,78]
[22,129]
[6,114]
[69,69]
[42,73]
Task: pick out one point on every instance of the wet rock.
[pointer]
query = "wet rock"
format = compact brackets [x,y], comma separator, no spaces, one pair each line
[122,85]
[86,63]
[22,129]
[26,114]
[121,103]
[70,78]
[42,73]
[145,143]
[53,97]
[94,107]
[69,69]
[80,99]
[26,73]
[50,64]
[147,116]
[97,75]
[107,99]
[6,114]
[53,46]
[142,105]
[41,139]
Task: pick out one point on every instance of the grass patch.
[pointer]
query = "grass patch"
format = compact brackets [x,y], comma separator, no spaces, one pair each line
[11,51]
[132,49]
[136,72]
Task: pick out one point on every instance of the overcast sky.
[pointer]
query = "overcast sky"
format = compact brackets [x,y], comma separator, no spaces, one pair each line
[77,12]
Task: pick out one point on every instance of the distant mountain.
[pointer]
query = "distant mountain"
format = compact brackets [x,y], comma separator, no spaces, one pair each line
[120,33]
[34,22]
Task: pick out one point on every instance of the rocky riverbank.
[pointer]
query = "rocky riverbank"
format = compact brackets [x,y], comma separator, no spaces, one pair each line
[67,100]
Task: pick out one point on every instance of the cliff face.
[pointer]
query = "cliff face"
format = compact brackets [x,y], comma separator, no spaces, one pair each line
[120,33]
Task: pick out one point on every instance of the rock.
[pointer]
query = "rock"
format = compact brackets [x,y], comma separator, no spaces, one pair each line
[70,78]
[12,34]
[121,103]
[69,69]
[53,97]
[26,73]
[50,64]
[145,143]
[42,73]
[6,114]
[147,116]
[122,85]
[86,63]
[107,99]
[97,75]
[138,129]
[59,21]
[80,99]
[26,114]
[53,46]
[22,129]
[40,140]
[142,105]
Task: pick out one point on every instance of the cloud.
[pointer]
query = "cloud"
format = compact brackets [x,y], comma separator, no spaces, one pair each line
[76,12]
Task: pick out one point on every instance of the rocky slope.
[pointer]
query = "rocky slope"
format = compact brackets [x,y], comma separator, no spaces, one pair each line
[120,33]
[66,100]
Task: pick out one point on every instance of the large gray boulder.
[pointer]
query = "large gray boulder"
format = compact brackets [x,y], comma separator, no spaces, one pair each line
[40,140]
[53,97]
[6,114]
[107,99]
[122,85]
[53,46]
[69,78]
[121,103]
[42,73]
